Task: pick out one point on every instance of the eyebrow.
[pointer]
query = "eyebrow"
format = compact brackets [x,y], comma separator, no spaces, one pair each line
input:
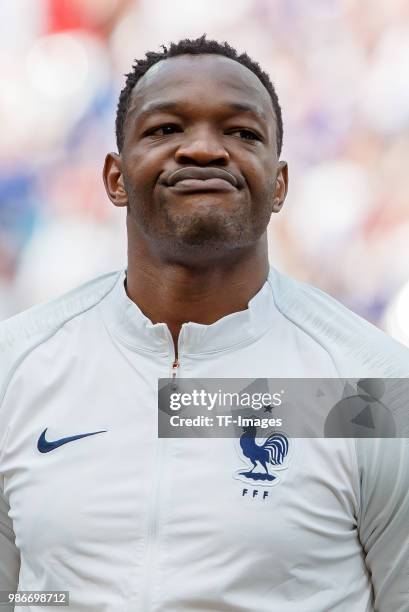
[242,107]
[166,105]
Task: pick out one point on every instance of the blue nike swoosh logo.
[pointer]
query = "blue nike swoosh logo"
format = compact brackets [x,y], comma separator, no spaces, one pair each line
[44,446]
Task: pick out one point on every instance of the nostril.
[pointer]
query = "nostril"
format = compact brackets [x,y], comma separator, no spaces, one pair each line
[202,153]
[201,158]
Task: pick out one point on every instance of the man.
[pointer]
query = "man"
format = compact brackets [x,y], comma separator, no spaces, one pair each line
[92,502]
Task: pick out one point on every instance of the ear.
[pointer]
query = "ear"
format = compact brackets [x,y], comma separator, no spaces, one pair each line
[114,180]
[281,186]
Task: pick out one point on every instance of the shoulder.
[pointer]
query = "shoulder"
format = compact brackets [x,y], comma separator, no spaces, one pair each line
[357,347]
[22,333]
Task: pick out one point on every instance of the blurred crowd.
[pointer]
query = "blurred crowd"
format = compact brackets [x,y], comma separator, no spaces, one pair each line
[340,68]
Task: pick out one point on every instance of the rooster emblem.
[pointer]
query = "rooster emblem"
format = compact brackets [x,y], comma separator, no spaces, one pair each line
[272,452]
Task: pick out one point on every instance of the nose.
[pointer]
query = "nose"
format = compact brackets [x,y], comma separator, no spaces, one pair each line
[202,146]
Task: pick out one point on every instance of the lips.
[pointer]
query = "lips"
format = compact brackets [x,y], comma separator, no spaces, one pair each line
[197,176]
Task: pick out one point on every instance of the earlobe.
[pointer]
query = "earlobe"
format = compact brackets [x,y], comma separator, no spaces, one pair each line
[114,180]
[277,205]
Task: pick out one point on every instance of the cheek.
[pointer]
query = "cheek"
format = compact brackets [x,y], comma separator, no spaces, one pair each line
[259,172]
[142,169]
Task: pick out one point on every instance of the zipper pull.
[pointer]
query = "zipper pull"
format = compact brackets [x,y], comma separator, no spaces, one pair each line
[175,366]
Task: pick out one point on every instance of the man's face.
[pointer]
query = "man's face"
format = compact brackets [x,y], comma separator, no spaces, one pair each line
[199,163]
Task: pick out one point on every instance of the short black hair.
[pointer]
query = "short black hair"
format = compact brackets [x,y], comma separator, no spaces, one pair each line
[197,46]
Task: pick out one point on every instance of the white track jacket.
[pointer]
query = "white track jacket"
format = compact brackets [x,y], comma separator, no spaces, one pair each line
[128,522]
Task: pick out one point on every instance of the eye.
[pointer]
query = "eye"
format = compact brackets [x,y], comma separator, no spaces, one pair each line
[247,134]
[167,128]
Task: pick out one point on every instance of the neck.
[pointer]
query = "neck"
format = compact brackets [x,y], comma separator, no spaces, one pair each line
[174,293]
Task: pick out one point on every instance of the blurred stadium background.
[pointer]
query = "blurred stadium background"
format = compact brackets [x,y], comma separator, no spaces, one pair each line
[341,71]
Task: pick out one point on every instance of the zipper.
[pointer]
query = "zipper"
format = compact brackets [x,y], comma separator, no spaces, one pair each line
[152,535]
[174,372]
[152,531]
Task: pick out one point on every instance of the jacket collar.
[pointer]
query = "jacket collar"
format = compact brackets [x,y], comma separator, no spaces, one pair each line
[128,324]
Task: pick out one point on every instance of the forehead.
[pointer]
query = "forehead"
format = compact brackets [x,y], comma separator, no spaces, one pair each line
[208,78]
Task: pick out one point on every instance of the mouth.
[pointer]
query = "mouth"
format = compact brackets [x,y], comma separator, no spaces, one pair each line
[194,179]
[191,185]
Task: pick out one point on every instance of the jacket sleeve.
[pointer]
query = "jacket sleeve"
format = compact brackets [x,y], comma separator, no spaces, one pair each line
[18,336]
[9,554]
[384,519]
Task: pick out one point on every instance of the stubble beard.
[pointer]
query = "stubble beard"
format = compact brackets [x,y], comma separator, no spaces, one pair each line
[207,230]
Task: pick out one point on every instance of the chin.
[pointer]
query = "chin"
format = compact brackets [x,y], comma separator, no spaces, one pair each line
[206,231]
[201,233]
